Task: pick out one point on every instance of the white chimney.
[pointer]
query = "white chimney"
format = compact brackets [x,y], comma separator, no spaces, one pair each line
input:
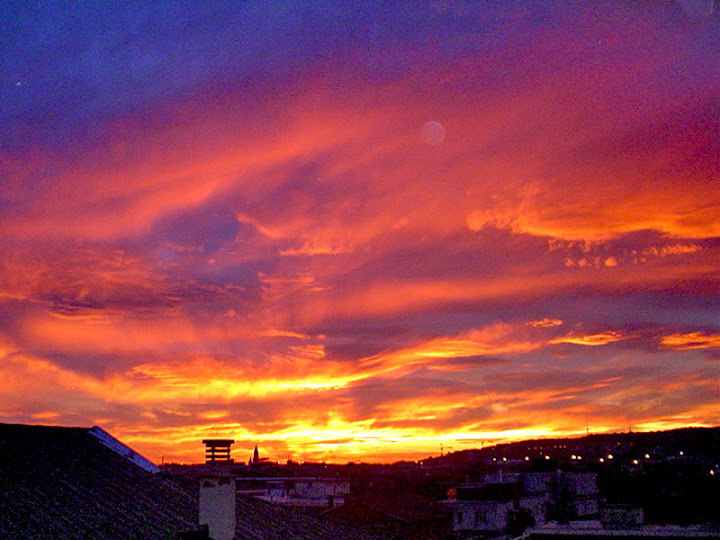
[217,507]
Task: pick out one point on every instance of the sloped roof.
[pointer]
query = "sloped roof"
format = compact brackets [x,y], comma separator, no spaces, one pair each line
[260,520]
[62,483]
[402,506]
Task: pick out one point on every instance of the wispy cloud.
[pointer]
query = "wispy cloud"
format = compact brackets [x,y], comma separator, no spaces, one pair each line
[205,233]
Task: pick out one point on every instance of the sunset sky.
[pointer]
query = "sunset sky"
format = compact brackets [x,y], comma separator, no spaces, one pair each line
[353,231]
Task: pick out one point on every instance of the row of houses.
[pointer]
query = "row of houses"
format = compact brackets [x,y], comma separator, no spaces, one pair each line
[514,501]
[295,491]
[77,483]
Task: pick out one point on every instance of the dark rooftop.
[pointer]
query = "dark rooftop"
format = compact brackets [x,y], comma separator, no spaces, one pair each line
[403,506]
[63,483]
[260,520]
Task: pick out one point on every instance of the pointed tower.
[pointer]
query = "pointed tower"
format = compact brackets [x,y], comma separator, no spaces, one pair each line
[256,456]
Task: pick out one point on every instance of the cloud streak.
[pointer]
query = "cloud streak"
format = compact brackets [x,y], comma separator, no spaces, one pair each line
[217,235]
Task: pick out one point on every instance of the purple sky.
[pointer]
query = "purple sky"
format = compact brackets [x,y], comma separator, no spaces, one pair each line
[355,231]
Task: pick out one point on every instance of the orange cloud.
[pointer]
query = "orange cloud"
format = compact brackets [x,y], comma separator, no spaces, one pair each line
[591,340]
[290,261]
[691,341]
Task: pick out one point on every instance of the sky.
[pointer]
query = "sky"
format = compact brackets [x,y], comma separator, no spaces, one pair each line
[355,231]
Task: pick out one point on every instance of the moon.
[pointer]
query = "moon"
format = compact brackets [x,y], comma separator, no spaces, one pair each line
[433,133]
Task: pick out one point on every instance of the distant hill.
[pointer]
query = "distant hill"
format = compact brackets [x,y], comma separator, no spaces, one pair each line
[684,443]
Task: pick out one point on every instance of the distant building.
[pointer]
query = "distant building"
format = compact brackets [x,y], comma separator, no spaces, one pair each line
[256,461]
[595,531]
[296,491]
[622,516]
[512,502]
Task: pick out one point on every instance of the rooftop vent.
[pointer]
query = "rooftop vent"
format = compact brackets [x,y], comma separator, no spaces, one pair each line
[217,450]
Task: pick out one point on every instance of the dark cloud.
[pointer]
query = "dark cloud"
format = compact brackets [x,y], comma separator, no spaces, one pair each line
[206,229]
